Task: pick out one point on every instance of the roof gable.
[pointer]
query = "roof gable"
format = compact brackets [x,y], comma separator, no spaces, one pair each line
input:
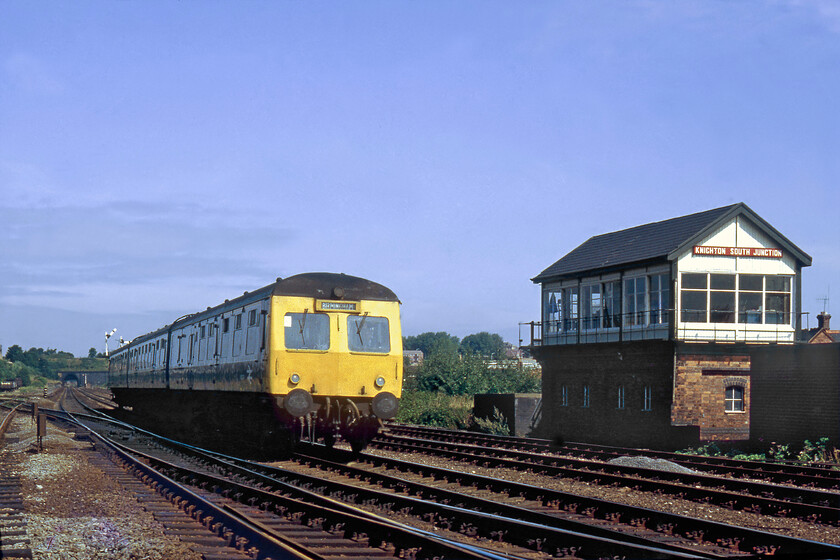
[658,241]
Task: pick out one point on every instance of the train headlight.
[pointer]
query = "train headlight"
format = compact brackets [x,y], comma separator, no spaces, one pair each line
[380,382]
[294,379]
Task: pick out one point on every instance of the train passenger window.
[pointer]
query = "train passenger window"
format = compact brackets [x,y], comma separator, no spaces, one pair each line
[307,331]
[203,331]
[368,334]
[226,324]
[238,324]
[252,317]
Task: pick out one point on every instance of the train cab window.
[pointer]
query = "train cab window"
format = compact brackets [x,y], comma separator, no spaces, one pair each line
[307,331]
[368,334]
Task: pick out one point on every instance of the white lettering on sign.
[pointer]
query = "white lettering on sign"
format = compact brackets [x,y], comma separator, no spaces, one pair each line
[771,253]
[349,306]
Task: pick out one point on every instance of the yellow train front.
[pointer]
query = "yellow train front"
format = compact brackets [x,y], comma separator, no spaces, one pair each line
[336,355]
[317,355]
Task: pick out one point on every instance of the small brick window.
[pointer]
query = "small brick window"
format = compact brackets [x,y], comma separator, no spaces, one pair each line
[734,398]
[620,396]
[647,398]
[586,396]
[564,396]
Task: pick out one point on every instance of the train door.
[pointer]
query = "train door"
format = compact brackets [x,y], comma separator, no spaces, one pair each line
[190,369]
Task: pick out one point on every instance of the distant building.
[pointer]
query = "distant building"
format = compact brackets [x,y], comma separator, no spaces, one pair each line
[823,333]
[645,333]
[414,357]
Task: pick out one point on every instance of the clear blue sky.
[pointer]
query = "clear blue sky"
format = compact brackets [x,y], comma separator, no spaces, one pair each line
[159,157]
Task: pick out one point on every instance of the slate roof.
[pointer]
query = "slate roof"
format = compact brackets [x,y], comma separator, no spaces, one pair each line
[649,243]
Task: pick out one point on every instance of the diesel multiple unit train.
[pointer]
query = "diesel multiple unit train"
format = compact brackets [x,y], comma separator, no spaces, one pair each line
[318,354]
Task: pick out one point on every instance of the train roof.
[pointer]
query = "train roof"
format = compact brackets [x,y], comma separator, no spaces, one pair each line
[328,285]
[318,285]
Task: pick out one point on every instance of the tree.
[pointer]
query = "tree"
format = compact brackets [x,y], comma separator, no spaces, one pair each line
[483,344]
[432,343]
[92,353]
[14,353]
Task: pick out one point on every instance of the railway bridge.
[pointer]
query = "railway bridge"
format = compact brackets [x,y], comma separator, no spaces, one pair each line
[83,378]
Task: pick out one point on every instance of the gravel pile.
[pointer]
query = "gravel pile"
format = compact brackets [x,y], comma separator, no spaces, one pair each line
[74,511]
[649,463]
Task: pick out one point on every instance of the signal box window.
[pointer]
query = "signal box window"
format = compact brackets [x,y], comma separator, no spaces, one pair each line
[750,298]
[307,331]
[694,301]
[368,334]
[722,298]
[734,399]
[647,398]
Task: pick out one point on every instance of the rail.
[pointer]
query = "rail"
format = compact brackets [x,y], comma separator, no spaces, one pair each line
[7,421]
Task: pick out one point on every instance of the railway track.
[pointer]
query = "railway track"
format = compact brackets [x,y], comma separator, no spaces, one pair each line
[544,508]
[98,400]
[821,477]
[312,507]
[224,496]
[813,506]
[13,540]
[552,521]
[266,485]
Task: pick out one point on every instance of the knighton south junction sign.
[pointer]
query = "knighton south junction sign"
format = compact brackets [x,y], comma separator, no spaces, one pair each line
[738,252]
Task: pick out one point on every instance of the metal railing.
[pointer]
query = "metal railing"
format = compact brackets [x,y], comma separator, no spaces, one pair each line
[639,326]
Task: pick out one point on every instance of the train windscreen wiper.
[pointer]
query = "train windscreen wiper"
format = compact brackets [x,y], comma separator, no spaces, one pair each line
[302,323]
[359,329]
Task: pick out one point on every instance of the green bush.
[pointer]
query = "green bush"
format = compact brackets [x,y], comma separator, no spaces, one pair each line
[470,375]
[497,425]
[435,409]
[819,451]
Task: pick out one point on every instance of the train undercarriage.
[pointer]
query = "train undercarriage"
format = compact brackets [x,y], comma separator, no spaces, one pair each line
[258,424]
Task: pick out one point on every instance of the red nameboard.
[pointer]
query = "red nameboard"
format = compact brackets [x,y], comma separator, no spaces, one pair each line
[738,252]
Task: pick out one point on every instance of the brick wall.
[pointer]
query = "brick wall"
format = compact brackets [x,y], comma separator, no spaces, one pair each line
[701,375]
[796,394]
[604,368]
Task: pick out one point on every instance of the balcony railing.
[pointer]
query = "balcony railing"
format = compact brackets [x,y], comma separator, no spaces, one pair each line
[639,326]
